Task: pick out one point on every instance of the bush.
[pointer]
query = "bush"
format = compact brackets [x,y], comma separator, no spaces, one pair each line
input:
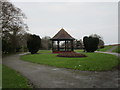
[6,47]
[90,43]
[33,43]
[101,47]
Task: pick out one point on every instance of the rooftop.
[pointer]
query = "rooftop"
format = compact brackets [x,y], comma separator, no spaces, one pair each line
[62,35]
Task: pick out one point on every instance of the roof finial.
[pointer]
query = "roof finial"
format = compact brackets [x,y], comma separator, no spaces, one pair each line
[62,28]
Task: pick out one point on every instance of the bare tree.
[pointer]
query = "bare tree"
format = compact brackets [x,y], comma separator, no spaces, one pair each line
[12,24]
[46,43]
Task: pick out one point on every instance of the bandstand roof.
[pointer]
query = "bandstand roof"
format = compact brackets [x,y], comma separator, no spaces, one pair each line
[62,35]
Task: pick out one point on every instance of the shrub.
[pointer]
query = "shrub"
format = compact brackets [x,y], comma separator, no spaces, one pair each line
[90,43]
[6,46]
[33,43]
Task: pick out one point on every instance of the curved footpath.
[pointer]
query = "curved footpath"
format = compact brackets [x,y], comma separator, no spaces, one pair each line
[43,76]
[116,54]
[111,49]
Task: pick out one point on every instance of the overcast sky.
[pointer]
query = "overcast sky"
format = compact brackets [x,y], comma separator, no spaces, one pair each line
[77,18]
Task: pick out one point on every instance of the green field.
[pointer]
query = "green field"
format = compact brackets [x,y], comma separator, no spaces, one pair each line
[117,50]
[105,48]
[93,61]
[12,79]
[0,76]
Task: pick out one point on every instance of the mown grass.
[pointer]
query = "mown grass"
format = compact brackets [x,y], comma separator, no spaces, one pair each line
[45,51]
[105,48]
[117,50]
[0,76]
[12,79]
[93,61]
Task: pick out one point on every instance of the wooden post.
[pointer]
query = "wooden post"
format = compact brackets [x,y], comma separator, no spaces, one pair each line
[58,45]
[71,45]
[65,45]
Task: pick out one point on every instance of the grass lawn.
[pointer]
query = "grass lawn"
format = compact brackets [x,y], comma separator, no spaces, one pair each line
[45,51]
[105,48]
[12,79]
[94,61]
[117,50]
[0,76]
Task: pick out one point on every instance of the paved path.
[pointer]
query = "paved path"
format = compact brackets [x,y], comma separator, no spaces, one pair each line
[43,76]
[116,54]
[111,49]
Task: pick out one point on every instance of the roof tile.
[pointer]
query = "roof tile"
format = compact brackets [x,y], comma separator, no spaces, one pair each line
[62,35]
